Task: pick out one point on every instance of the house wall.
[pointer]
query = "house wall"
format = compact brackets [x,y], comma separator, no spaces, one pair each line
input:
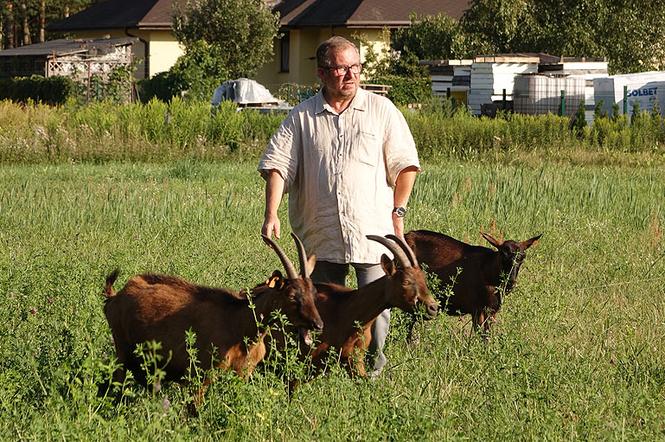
[302,63]
[164,51]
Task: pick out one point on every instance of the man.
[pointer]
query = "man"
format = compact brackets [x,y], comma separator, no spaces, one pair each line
[348,161]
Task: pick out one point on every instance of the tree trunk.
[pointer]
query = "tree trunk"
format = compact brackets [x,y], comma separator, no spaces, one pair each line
[2,29]
[26,27]
[11,27]
[42,21]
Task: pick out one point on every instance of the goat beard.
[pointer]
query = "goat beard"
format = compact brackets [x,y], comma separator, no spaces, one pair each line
[306,336]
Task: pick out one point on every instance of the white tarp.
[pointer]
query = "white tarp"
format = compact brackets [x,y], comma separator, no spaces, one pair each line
[244,92]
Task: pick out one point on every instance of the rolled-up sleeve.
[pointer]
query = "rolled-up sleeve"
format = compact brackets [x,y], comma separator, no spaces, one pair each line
[399,147]
[282,152]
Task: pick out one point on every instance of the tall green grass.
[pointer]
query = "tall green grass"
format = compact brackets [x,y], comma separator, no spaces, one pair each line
[104,131]
[160,132]
[577,352]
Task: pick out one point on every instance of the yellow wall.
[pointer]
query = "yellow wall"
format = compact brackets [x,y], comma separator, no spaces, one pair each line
[303,44]
[164,51]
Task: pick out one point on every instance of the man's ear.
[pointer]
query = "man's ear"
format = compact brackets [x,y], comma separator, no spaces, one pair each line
[320,73]
[388,265]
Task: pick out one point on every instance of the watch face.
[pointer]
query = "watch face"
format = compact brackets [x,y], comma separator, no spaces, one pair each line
[399,211]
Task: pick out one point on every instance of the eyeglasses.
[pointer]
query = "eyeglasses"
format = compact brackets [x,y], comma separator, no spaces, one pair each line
[340,71]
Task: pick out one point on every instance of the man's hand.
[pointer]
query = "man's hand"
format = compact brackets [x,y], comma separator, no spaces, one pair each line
[271,224]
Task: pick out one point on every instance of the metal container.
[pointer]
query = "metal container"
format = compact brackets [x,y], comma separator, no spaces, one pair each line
[542,94]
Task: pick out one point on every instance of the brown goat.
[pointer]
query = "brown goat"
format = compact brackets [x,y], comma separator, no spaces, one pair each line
[162,308]
[480,276]
[348,314]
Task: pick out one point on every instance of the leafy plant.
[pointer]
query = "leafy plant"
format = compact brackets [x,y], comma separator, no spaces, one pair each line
[152,364]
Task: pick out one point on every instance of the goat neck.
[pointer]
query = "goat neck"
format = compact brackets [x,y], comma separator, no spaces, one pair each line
[363,305]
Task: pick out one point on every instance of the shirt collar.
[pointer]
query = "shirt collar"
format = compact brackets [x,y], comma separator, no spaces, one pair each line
[359,102]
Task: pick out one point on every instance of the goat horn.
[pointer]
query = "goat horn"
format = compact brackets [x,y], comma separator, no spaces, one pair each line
[288,266]
[302,255]
[405,247]
[394,248]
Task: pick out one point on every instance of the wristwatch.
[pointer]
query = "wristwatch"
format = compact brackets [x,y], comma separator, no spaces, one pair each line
[400,211]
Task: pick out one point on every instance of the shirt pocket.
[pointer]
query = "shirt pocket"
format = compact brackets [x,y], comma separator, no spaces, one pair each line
[368,147]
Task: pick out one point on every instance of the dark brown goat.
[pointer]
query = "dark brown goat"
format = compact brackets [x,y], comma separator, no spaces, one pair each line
[162,308]
[480,276]
[348,314]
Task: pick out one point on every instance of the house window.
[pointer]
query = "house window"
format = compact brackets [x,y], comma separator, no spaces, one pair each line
[284,52]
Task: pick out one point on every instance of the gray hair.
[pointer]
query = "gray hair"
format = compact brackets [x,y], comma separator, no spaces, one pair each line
[333,44]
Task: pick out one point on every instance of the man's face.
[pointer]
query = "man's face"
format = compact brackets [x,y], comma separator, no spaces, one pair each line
[339,80]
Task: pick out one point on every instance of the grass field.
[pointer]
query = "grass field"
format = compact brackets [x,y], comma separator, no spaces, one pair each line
[577,353]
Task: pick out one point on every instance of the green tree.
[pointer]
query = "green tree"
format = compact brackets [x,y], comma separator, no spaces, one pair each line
[568,27]
[238,33]
[633,35]
[629,33]
[199,71]
[398,67]
[499,26]
[432,38]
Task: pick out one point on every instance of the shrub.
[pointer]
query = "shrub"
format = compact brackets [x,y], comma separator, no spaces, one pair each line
[294,93]
[162,86]
[578,123]
[406,90]
[51,90]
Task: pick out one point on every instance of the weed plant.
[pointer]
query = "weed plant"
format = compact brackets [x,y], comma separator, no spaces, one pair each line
[576,354]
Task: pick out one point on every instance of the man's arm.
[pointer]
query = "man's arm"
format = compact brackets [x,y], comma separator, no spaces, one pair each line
[403,187]
[274,192]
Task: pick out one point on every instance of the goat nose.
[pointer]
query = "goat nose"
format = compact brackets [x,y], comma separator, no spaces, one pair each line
[432,309]
[318,325]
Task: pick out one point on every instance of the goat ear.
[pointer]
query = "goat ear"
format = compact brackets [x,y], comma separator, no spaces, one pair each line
[388,265]
[490,239]
[310,264]
[275,280]
[529,242]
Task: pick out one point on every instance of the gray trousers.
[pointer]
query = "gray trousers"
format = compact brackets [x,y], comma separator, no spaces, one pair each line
[330,272]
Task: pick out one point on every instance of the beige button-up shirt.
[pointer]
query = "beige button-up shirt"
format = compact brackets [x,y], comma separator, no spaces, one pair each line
[340,171]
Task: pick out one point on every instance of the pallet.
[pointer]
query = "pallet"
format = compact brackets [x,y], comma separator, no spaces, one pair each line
[380,89]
